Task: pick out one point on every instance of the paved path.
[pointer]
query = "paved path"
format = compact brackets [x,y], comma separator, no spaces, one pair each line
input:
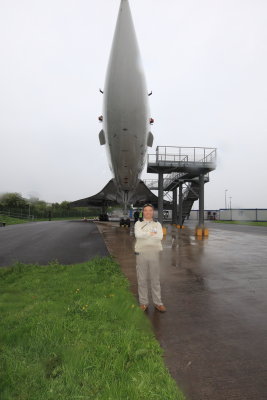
[214,333]
[40,242]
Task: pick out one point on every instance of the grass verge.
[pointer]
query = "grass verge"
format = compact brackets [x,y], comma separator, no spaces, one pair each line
[253,223]
[62,219]
[12,221]
[76,332]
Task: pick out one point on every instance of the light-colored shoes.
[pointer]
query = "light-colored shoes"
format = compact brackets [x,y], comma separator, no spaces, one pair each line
[160,307]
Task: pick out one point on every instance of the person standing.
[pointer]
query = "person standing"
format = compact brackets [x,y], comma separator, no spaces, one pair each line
[148,234]
[136,216]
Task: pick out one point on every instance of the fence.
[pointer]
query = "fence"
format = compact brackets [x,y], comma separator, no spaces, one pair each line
[55,213]
[243,214]
[234,214]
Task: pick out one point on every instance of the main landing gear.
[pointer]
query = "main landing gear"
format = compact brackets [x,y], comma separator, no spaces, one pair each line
[103,217]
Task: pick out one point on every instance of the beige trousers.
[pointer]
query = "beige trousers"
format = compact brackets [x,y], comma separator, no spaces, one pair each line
[148,265]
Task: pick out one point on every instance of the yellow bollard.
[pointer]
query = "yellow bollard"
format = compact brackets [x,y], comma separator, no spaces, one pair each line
[199,231]
[206,232]
[164,230]
[182,226]
[178,226]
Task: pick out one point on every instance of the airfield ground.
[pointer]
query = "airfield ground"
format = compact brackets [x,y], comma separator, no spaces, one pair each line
[214,333]
[69,242]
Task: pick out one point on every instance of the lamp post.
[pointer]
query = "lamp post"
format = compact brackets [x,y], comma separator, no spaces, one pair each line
[225,200]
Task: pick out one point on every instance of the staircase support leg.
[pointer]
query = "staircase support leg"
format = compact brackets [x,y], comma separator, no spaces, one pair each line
[160,197]
[174,206]
[181,204]
[201,201]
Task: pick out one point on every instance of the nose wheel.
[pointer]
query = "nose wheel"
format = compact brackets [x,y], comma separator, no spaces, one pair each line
[125,222]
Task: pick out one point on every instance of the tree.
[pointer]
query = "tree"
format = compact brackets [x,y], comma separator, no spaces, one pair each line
[13,200]
[65,205]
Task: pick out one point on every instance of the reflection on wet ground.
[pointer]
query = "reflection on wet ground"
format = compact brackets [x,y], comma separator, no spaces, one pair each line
[214,332]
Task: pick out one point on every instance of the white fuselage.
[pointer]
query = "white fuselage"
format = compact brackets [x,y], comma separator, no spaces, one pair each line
[126,112]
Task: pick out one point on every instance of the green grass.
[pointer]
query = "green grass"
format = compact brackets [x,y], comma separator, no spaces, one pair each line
[253,223]
[12,221]
[76,332]
[62,218]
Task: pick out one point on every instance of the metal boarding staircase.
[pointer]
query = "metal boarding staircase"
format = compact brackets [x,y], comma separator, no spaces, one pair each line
[181,164]
[190,193]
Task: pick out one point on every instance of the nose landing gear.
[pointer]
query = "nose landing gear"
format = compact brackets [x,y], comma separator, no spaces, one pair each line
[126,222]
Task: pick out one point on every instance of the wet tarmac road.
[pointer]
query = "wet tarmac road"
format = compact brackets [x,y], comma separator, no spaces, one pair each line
[214,333]
[41,242]
[250,229]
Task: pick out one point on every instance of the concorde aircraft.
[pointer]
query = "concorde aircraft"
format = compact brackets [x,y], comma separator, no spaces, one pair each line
[126,121]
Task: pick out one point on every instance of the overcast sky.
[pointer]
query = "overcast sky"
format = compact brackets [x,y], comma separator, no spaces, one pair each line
[205,60]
